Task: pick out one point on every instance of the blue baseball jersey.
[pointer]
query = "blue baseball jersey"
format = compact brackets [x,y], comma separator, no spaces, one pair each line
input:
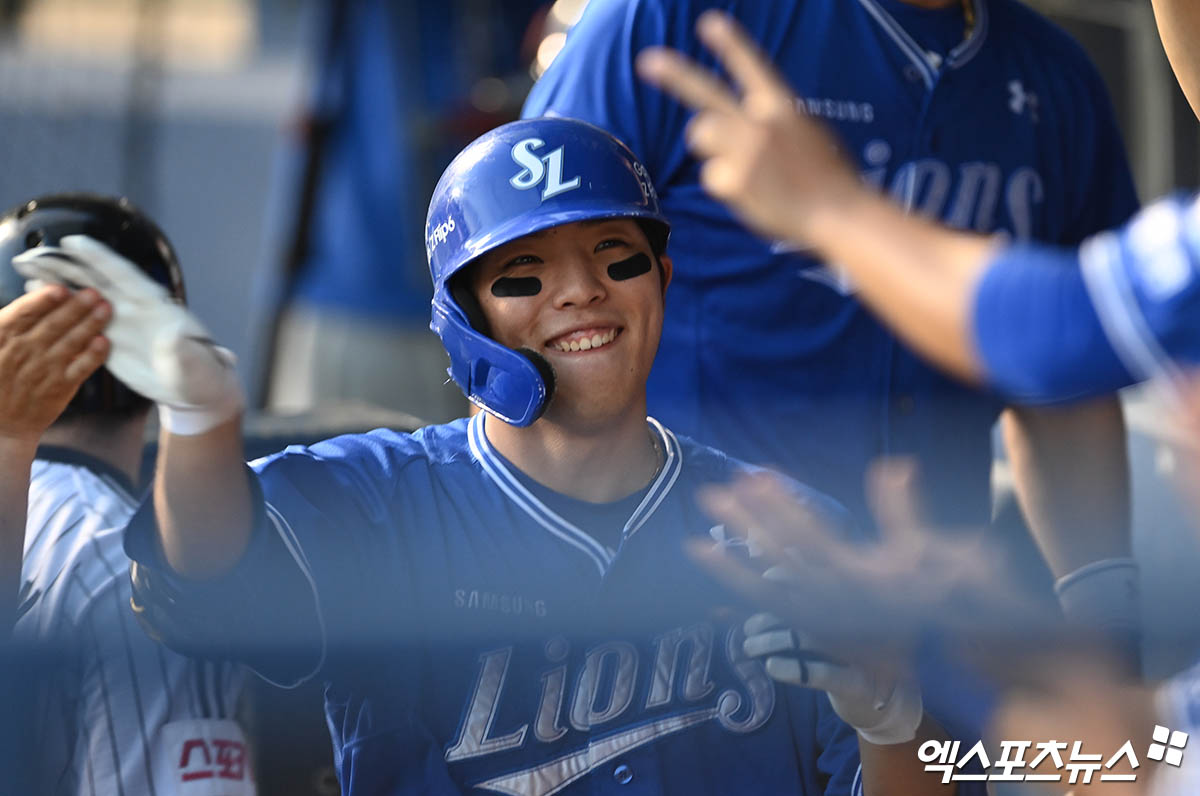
[1054,324]
[766,353]
[474,639]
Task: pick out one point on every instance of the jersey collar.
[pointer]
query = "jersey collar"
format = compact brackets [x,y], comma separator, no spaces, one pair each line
[929,64]
[500,474]
[101,469]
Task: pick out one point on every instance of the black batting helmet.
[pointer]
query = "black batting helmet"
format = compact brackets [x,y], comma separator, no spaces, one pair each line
[116,223]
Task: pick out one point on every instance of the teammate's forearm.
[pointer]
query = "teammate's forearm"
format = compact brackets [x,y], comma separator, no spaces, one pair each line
[1071,471]
[16,461]
[920,278]
[895,770]
[1179,26]
[202,500]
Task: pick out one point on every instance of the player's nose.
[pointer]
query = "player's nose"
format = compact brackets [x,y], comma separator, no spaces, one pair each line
[579,284]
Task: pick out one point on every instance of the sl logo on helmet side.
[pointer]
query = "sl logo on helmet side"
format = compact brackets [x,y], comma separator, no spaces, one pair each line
[534,169]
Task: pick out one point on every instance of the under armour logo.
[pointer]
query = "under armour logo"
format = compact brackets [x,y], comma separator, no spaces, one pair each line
[1019,99]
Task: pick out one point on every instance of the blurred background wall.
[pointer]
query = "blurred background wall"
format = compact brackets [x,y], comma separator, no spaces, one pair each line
[178,105]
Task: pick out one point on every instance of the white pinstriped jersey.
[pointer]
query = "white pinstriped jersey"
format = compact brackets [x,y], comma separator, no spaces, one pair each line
[100,718]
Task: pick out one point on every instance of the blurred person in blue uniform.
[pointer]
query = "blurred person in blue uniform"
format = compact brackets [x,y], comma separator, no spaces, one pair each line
[391,106]
[979,113]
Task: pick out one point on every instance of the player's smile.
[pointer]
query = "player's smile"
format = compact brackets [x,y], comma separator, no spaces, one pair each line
[584,339]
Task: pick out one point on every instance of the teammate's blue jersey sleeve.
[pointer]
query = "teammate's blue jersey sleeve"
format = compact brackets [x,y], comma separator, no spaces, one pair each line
[1036,332]
[1143,284]
[1056,325]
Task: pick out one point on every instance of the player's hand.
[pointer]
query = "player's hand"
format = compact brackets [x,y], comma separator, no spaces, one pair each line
[50,342]
[861,597]
[158,348]
[772,165]
[881,699]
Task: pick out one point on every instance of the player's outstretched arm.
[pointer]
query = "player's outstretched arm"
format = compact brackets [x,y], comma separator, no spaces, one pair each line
[159,349]
[50,341]
[202,500]
[782,173]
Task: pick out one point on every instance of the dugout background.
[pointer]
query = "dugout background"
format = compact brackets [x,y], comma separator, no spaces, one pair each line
[183,106]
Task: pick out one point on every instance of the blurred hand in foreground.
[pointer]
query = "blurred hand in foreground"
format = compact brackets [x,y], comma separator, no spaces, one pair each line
[771,164]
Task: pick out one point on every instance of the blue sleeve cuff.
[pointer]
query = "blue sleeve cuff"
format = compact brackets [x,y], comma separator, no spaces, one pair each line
[1037,332]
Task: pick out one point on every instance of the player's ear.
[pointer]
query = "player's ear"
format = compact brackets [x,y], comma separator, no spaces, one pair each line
[666,269]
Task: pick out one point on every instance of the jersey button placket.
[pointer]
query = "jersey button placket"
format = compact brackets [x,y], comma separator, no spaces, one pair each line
[623,774]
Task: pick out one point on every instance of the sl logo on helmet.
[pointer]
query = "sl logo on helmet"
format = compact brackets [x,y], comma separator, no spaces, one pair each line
[534,169]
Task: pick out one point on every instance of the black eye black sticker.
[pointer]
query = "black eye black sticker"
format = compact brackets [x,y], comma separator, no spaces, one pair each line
[516,286]
[628,268]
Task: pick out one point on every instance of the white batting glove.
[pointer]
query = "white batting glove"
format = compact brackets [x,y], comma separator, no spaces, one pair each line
[884,711]
[158,348]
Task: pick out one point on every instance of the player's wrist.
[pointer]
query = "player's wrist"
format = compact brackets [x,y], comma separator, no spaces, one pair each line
[188,421]
[824,219]
[1105,596]
[898,719]
[16,446]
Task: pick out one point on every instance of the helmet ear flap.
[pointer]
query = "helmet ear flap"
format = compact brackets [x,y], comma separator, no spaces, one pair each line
[464,296]
[546,371]
[513,385]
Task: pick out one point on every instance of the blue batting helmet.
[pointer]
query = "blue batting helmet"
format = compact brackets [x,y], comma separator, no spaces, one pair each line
[517,179]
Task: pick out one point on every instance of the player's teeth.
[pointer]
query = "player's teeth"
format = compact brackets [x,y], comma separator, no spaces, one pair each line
[587,343]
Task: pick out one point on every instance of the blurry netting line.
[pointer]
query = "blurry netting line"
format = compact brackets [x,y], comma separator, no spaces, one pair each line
[78,108]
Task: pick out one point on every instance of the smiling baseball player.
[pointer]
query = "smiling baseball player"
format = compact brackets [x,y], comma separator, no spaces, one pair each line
[501,604]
